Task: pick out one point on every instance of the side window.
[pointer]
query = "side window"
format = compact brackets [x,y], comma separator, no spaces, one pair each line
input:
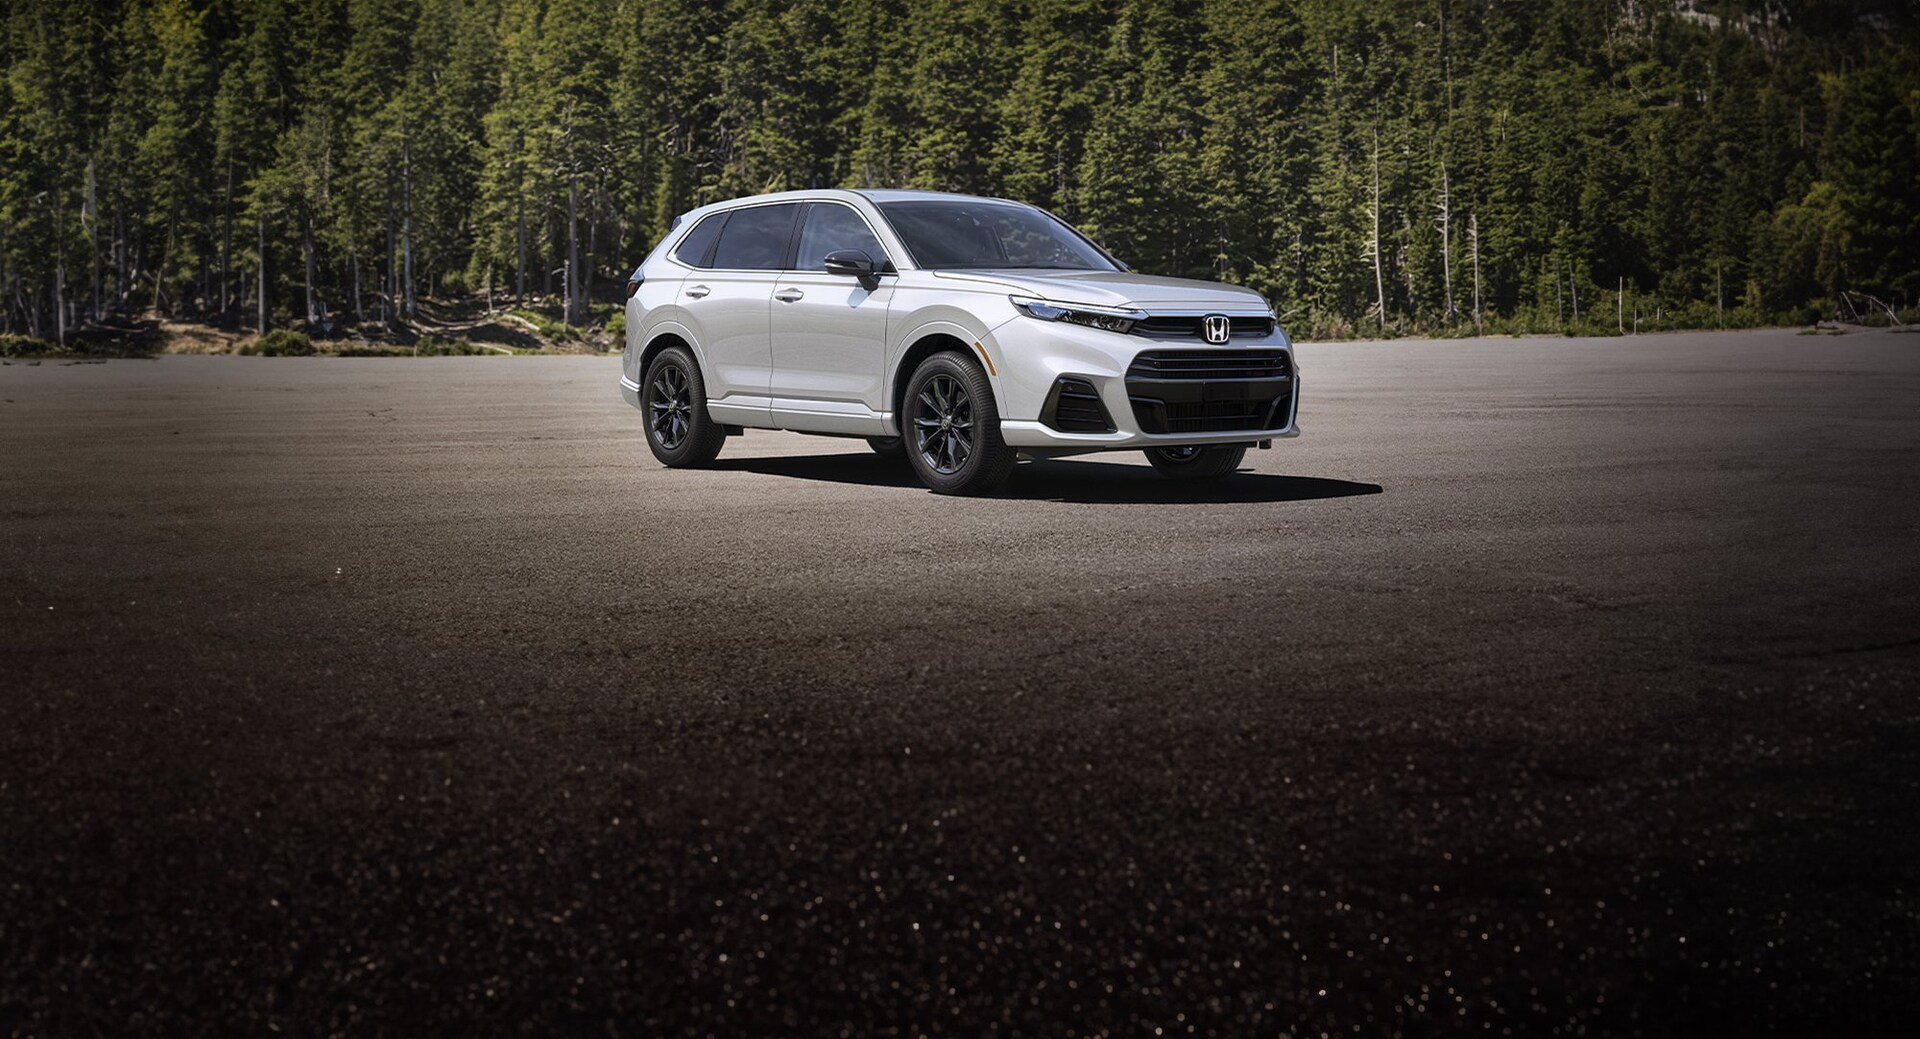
[831,227]
[756,239]
[693,248]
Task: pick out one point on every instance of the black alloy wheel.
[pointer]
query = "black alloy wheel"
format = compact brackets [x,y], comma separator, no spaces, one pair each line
[679,431]
[953,427]
[943,424]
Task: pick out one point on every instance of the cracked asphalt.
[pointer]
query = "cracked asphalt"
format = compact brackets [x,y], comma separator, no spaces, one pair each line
[1542,687]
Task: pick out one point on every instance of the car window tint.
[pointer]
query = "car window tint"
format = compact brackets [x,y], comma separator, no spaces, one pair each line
[981,233]
[830,228]
[693,248]
[755,239]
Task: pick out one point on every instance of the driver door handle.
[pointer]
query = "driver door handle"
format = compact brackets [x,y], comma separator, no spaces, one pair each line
[698,291]
[789,295]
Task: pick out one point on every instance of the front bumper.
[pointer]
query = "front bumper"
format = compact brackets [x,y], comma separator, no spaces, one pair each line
[1146,410]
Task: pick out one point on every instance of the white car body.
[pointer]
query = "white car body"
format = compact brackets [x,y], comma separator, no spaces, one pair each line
[826,353]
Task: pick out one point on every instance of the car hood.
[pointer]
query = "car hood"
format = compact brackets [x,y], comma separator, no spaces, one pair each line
[1115,289]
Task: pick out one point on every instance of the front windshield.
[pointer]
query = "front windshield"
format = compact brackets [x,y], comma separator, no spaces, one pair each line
[963,233]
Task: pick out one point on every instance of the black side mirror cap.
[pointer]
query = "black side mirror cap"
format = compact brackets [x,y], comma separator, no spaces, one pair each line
[851,262]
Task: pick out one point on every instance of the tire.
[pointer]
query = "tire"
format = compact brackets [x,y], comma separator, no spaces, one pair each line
[673,400]
[952,427]
[890,448]
[1196,463]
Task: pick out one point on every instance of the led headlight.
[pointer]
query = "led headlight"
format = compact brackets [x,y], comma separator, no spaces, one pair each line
[1111,319]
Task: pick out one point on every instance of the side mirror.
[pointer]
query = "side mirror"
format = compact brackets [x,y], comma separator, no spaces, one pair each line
[851,262]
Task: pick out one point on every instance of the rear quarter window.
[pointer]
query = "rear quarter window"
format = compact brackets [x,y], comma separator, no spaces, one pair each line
[698,244]
[756,238]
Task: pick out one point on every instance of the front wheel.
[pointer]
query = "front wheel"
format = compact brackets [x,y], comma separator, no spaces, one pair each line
[679,431]
[890,448]
[952,427]
[1196,463]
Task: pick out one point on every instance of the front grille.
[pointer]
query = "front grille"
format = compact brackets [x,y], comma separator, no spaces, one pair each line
[1074,407]
[1169,327]
[1210,391]
[1204,415]
[1210,364]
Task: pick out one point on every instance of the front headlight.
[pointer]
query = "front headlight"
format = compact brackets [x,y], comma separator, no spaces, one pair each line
[1111,319]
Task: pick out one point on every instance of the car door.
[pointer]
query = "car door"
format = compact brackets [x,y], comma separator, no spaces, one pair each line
[830,330]
[728,299]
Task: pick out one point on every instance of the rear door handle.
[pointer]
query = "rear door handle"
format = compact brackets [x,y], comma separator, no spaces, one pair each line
[789,295]
[698,291]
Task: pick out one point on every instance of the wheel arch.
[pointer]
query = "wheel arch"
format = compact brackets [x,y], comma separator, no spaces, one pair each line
[925,344]
[662,340]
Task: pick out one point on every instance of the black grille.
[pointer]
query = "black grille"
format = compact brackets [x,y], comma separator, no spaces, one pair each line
[1190,328]
[1074,407]
[1211,416]
[1210,364]
[1210,391]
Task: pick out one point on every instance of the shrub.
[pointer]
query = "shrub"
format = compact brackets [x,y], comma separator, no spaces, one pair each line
[282,342]
[26,346]
[432,346]
[546,326]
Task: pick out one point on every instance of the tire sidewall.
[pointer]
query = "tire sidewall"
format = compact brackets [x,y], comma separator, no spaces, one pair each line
[694,445]
[1209,463]
[991,461]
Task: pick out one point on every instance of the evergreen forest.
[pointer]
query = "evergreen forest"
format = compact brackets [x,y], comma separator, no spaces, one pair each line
[1373,168]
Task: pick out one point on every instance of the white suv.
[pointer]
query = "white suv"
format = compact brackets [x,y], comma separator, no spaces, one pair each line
[961,332]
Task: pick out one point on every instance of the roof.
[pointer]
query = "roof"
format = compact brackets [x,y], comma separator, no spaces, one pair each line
[907,195]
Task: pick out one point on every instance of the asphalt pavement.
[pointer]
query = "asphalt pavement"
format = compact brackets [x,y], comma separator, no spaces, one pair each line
[1541,687]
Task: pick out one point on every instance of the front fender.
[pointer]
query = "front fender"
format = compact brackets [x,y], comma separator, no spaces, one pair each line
[948,321]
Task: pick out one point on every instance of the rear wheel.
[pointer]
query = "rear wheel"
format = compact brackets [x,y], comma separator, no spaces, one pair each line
[953,427]
[1196,463]
[679,431]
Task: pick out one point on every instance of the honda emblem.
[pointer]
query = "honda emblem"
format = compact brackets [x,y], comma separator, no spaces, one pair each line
[1218,327]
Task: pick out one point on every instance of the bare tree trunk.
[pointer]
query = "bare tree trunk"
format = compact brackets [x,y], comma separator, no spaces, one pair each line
[573,250]
[586,268]
[1379,280]
[306,251]
[59,282]
[1719,295]
[120,282]
[1559,302]
[520,250]
[226,238]
[1620,306]
[387,278]
[1446,242]
[489,290]
[1473,234]
[1573,289]
[260,241]
[91,218]
[406,219]
[353,260]
[6,282]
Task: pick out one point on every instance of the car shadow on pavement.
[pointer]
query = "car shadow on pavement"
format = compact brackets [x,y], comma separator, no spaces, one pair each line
[1066,480]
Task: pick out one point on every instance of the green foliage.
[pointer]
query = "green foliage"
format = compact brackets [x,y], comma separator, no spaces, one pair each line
[557,331]
[432,346]
[282,342]
[253,163]
[26,346]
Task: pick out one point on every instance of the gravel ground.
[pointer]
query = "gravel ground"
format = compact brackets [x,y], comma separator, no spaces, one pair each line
[1541,687]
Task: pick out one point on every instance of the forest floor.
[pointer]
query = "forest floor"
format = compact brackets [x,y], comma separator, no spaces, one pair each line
[471,325]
